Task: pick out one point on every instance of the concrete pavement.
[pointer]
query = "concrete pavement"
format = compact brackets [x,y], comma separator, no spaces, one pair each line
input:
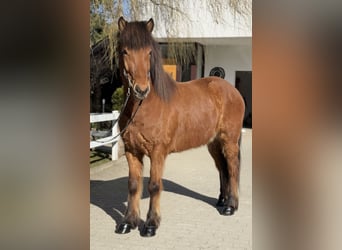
[190,219]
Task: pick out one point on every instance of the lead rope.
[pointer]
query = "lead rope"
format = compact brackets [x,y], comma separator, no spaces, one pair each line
[130,120]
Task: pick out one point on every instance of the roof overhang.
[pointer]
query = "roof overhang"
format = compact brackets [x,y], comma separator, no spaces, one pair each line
[217,41]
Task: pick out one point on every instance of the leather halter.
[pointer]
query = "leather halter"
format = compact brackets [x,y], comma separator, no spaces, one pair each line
[128,77]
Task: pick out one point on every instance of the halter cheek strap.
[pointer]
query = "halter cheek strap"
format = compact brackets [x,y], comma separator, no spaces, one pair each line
[130,82]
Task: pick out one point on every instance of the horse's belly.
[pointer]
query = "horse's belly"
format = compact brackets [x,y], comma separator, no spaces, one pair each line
[195,126]
[187,138]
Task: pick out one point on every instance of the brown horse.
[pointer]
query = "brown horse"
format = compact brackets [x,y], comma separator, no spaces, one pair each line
[165,116]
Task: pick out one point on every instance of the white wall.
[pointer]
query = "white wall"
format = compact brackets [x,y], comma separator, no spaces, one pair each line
[231,58]
[198,21]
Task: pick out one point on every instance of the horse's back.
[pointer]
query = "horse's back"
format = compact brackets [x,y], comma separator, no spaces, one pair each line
[215,88]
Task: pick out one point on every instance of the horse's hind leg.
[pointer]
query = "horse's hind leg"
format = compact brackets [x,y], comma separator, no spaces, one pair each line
[231,150]
[215,150]
[132,215]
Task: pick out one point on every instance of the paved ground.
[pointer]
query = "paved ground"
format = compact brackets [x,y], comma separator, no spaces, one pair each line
[189,217]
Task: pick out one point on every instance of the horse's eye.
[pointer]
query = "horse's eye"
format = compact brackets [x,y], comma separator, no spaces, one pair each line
[150,53]
[124,52]
[148,74]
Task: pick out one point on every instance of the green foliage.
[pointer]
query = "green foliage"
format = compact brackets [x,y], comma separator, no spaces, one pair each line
[118,99]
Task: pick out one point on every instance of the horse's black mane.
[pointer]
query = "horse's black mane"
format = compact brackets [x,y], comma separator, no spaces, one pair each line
[136,36]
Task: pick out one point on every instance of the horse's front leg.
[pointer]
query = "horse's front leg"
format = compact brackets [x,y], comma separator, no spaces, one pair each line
[155,187]
[132,215]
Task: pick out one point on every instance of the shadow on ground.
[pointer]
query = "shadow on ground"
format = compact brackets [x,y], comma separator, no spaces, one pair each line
[111,196]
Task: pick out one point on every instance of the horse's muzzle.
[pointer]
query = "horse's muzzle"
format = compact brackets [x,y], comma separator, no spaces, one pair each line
[139,93]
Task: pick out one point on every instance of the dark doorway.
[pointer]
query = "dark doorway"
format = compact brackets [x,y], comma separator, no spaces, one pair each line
[243,82]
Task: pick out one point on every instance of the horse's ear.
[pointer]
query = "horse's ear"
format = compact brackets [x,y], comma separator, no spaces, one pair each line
[150,25]
[122,23]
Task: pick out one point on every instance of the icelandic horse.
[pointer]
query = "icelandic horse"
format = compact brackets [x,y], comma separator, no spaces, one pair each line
[164,116]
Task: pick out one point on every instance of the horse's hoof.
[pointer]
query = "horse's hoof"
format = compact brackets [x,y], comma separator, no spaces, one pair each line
[220,202]
[123,228]
[149,231]
[228,210]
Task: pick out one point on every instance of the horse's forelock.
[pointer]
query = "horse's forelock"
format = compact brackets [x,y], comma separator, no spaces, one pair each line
[135,35]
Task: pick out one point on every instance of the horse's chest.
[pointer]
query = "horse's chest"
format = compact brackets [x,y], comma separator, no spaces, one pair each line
[143,138]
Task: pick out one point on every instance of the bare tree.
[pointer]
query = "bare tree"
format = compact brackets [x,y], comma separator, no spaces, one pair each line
[105,13]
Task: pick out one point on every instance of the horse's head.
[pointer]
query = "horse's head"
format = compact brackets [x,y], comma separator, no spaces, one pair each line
[135,45]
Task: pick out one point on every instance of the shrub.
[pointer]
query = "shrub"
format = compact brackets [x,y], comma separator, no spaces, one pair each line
[118,99]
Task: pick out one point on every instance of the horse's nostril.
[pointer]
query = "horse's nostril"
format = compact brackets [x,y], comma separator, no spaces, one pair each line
[140,91]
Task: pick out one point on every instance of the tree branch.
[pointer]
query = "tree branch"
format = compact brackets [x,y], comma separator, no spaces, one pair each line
[163,4]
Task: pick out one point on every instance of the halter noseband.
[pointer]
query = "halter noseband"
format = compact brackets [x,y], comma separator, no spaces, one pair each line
[132,83]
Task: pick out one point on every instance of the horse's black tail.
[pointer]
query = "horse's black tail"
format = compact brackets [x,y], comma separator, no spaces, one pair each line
[239,156]
[239,142]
